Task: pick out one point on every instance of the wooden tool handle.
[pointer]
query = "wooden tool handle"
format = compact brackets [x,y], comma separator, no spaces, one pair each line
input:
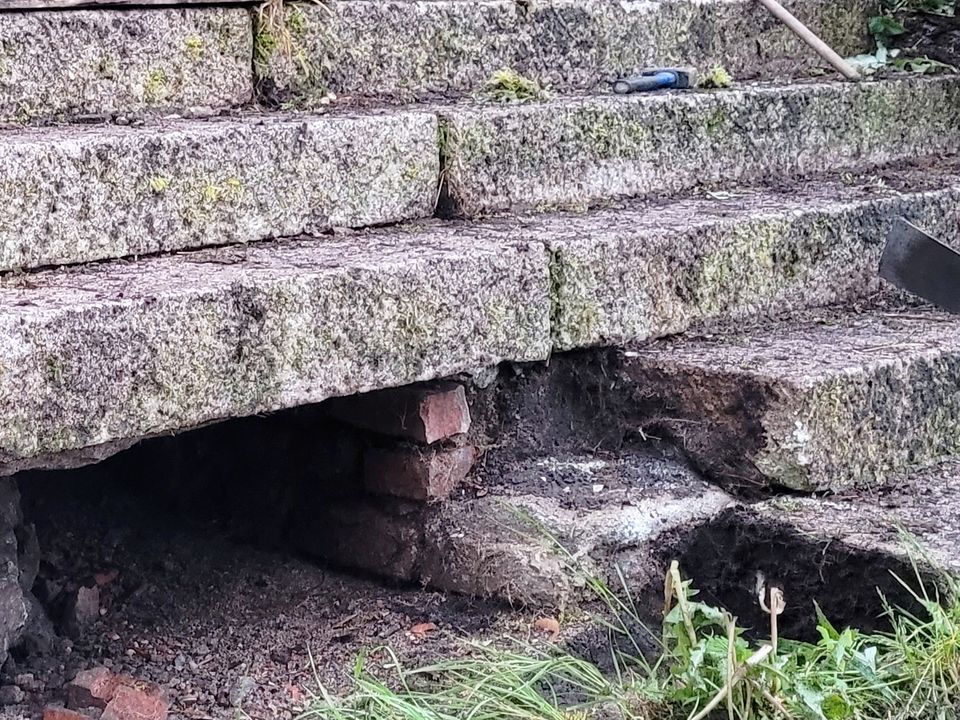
[807,35]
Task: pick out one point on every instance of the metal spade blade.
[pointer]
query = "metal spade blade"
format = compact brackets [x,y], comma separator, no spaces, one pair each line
[922,265]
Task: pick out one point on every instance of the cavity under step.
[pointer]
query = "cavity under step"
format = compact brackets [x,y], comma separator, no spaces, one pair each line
[836,551]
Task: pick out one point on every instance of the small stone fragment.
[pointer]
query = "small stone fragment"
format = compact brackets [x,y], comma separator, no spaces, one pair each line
[11,695]
[241,689]
[81,611]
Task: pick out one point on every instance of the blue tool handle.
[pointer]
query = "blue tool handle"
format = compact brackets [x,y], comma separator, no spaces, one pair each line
[645,83]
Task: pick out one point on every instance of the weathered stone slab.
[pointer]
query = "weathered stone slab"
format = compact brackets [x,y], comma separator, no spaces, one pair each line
[585,150]
[921,508]
[56,64]
[96,354]
[652,269]
[809,405]
[645,269]
[452,47]
[76,194]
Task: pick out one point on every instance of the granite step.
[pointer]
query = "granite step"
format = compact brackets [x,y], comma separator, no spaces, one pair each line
[583,151]
[451,47]
[79,193]
[95,357]
[60,65]
[833,401]
[103,354]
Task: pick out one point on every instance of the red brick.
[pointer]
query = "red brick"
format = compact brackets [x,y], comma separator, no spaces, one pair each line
[415,473]
[422,413]
[92,688]
[56,713]
[141,702]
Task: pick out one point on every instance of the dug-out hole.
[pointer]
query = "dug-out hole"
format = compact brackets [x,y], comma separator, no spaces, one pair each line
[725,556]
[172,562]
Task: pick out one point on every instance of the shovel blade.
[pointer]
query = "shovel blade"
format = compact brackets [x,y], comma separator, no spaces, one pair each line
[922,265]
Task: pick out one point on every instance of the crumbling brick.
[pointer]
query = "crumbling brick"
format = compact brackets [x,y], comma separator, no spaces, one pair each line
[119,696]
[422,413]
[92,688]
[416,473]
[59,713]
[141,702]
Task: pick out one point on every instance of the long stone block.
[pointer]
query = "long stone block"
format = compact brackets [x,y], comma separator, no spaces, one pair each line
[586,150]
[102,354]
[815,405]
[77,194]
[56,64]
[652,268]
[452,47]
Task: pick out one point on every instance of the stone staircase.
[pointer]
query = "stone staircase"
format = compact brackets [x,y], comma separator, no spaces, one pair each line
[195,226]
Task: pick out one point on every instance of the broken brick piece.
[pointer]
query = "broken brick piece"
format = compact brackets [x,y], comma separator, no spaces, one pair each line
[59,713]
[415,473]
[92,688]
[422,413]
[137,702]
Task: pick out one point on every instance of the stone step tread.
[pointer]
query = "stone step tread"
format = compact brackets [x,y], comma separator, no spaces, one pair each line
[643,269]
[108,61]
[584,150]
[919,508]
[451,47]
[74,194]
[96,355]
[177,340]
[836,400]
[812,352]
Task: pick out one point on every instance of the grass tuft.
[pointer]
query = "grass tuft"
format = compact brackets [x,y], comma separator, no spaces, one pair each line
[707,668]
[718,77]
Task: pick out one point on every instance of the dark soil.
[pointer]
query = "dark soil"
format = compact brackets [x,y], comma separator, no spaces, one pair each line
[933,36]
[724,558]
[219,624]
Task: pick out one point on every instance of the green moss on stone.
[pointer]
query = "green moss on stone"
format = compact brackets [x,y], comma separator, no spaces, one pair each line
[155,88]
[158,184]
[741,270]
[576,315]
[264,46]
[194,46]
[54,371]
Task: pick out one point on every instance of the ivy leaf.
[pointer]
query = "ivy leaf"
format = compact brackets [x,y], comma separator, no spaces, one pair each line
[884,27]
